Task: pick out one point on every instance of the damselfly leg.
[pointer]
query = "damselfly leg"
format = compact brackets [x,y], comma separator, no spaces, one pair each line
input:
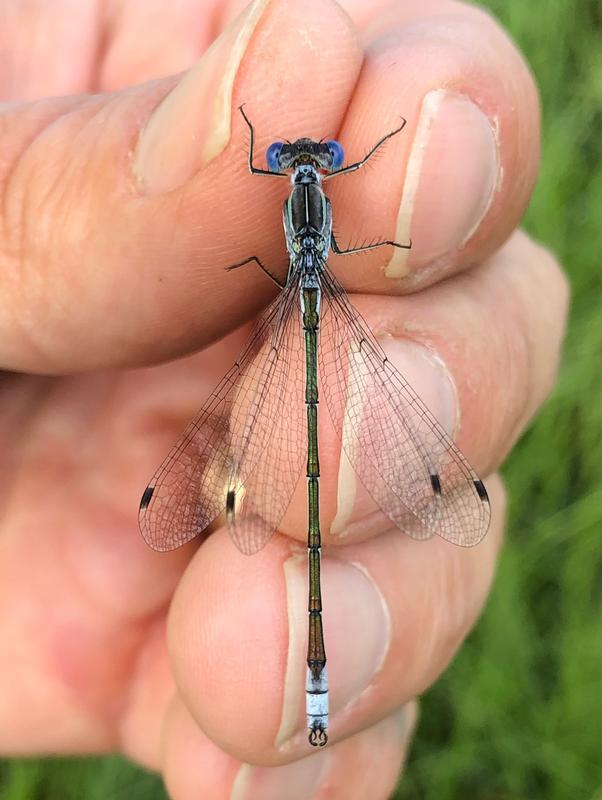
[262,267]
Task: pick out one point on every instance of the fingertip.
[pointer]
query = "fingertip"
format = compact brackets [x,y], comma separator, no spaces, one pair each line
[460,175]
[115,266]
[364,765]
[192,765]
[229,644]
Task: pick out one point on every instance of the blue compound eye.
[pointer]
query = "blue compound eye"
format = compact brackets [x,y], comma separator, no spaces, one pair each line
[337,153]
[272,156]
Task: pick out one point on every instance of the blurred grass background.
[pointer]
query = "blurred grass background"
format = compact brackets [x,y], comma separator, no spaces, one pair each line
[518,716]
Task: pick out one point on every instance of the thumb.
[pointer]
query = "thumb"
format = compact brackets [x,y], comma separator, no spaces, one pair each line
[120,211]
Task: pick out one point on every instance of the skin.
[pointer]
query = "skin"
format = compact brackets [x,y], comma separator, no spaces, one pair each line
[104,276]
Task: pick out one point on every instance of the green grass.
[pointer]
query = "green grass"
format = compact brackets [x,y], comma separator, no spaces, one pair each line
[518,716]
[110,778]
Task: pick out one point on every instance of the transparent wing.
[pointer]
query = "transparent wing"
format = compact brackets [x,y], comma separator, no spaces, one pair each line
[243,452]
[404,458]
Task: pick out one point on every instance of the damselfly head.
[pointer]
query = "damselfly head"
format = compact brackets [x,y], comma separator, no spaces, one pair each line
[282,156]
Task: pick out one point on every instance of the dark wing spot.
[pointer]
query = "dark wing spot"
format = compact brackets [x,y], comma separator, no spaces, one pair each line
[481,490]
[146,497]
[230,499]
[436,484]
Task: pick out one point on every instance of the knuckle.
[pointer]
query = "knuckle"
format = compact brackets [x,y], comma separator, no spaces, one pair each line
[533,323]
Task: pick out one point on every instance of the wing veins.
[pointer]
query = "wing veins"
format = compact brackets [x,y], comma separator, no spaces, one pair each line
[173,483]
[452,459]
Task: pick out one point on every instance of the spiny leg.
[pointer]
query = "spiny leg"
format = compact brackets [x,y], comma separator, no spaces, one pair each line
[253,169]
[336,249]
[257,171]
[261,266]
[367,157]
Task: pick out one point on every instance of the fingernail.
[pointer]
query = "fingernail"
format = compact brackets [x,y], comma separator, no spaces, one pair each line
[408,719]
[451,178]
[428,376]
[357,631]
[299,780]
[192,124]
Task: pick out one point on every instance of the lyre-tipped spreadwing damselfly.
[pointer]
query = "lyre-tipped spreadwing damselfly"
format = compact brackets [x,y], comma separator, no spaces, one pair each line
[245,450]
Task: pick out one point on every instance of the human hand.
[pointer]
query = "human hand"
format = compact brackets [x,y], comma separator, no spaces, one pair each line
[113,251]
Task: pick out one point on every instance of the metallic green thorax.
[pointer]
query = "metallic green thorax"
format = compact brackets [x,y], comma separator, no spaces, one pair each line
[316,657]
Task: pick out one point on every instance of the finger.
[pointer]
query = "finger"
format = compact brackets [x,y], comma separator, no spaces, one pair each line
[459,176]
[175,35]
[481,350]
[63,48]
[114,243]
[83,601]
[395,610]
[47,48]
[367,764]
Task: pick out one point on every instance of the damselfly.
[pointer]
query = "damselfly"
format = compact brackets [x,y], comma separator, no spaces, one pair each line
[244,452]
